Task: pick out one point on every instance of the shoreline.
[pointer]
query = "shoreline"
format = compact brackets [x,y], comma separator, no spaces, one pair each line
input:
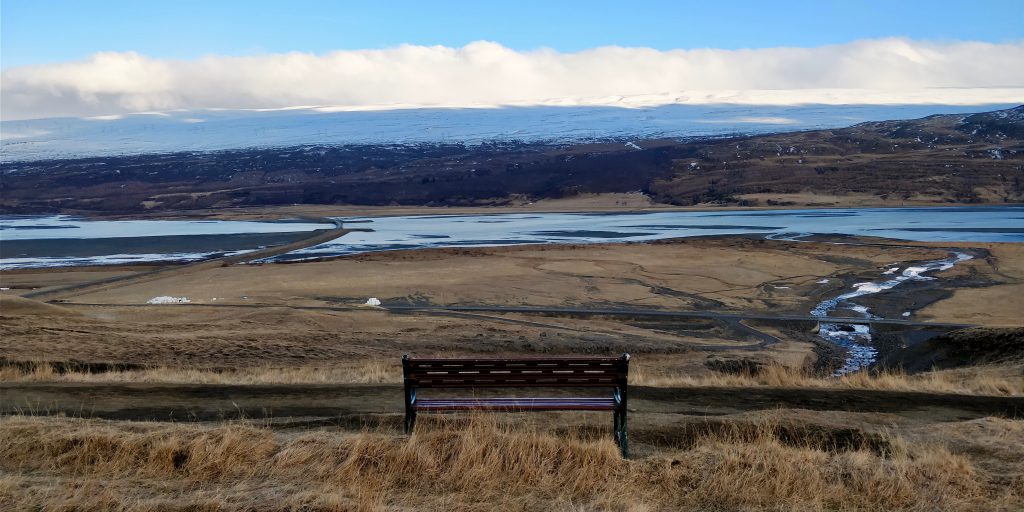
[322,211]
[836,238]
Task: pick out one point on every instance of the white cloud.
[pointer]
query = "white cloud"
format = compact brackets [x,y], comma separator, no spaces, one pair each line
[486,74]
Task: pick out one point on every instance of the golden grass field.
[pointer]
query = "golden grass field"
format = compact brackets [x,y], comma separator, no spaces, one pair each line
[481,464]
[782,436]
[991,380]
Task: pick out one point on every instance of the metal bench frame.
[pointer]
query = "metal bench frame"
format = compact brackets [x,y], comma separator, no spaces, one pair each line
[525,372]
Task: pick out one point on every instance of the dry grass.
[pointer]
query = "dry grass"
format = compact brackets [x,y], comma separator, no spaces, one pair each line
[981,380]
[369,372]
[1004,380]
[474,464]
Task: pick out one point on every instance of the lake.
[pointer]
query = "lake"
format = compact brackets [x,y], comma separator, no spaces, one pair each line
[939,224]
[61,240]
[39,241]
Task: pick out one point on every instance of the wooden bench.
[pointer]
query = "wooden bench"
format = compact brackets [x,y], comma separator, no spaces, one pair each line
[527,372]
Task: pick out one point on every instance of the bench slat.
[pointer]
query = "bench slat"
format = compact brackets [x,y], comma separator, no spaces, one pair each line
[536,404]
[567,372]
[514,371]
[460,383]
[424,379]
[515,360]
[513,364]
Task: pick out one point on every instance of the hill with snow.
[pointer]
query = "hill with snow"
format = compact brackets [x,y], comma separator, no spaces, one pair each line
[559,122]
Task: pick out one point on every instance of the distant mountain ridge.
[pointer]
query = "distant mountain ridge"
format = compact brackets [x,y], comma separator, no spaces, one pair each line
[971,158]
[226,130]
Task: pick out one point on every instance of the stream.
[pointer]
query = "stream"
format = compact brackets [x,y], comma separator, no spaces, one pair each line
[856,339]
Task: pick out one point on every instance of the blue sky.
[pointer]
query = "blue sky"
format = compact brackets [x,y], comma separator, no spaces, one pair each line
[47,31]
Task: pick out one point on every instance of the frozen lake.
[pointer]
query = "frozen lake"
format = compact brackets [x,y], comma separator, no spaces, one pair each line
[65,226]
[59,241]
[67,241]
[941,224]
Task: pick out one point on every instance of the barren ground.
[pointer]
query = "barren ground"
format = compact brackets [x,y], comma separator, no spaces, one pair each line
[245,314]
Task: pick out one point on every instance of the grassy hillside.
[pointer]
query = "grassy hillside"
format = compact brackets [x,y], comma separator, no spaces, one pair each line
[481,464]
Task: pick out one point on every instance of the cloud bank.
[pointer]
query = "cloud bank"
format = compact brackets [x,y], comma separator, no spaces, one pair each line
[487,74]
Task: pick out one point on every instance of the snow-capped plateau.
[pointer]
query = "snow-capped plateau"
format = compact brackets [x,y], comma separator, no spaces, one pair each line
[218,129]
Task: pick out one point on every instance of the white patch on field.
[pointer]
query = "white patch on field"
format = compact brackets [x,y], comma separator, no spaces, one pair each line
[915,272]
[373,301]
[866,288]
[860,309]
[166,299]
[822,281]
[632,145]
[906,313]
[890,271]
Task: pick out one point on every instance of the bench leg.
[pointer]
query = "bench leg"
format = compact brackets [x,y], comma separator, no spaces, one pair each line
[621,437]
[410,421]
[615,426]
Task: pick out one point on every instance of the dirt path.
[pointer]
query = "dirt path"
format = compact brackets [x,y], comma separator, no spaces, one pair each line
[718,315]
[467,311]
[171,402]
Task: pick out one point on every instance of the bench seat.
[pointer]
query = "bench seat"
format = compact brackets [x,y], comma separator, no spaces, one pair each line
[577,378]
[516,404]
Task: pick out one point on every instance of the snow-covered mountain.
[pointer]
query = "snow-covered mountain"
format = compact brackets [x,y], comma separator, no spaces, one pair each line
[208,130]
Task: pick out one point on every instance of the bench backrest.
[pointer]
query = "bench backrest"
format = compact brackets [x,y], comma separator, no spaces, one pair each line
[501,372]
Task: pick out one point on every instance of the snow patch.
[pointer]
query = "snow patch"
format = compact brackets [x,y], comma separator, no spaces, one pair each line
[866,288]
[631,119]
[166,299]
[860,309]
